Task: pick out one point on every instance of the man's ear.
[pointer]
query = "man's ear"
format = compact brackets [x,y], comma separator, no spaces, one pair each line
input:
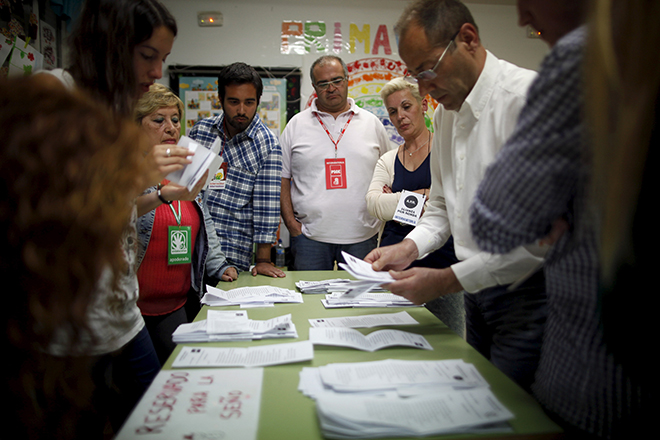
[468,35]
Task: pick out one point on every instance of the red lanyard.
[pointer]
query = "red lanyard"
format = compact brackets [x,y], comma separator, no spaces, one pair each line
[341,134]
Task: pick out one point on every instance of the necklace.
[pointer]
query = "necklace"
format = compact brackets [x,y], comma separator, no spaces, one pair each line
[403,155]
[410,153]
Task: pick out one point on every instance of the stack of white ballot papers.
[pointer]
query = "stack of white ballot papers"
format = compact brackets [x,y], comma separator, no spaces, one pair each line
[261,296]
[334,285]
[234,326]
[371,299]
[395,398]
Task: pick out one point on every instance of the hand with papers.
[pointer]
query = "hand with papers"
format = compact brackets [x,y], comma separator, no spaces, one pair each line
[419,284]
[197,168]
[163,163]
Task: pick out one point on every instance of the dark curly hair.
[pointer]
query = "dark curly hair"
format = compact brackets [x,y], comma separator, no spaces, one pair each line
[68,178]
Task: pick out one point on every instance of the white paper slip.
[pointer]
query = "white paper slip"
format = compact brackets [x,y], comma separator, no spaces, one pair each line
[347,337]
[250,295]
[200,404]
[357,288]
[262,356]
[365,321]
[362,270]
[449,412]
[193,172]
[395,374]
[320,286]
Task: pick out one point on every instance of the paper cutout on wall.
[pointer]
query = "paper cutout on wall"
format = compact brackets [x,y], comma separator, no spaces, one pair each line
[366,78]
[24,59]
[48,44]
[5,48]
[299,38]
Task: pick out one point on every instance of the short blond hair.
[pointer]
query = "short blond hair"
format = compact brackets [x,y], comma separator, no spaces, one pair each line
[400,84]
[156,98]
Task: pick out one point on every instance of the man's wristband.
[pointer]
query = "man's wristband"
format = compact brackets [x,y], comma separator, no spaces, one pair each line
[263,260]
[162,199]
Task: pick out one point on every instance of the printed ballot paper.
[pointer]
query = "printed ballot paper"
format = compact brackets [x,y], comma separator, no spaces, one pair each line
[234,325]
[193,172]
[397,398]
[347,337]
[261,356]
[462,411]
[365,321]
[250,296]
[198,404]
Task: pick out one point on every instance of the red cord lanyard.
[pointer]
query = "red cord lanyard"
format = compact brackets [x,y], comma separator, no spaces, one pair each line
[341,134]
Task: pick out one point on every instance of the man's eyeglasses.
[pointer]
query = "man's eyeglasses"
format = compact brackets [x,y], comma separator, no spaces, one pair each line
[325,84]
[430,74]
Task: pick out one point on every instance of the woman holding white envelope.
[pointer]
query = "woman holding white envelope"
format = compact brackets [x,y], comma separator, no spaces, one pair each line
[408,168]
[177,240]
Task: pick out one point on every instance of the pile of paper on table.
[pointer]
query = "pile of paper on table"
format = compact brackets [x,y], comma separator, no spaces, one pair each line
[234,326]
[371,299]
[395,398]
[260,296]
[334,285]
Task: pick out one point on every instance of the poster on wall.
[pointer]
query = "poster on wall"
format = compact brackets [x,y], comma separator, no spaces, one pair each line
[272,108]
[24,59]
[201,100]
[48,44]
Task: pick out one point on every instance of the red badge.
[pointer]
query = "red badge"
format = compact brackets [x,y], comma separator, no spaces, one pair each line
[335,173]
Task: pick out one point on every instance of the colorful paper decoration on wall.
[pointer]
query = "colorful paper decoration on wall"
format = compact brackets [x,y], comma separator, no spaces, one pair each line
[299,38]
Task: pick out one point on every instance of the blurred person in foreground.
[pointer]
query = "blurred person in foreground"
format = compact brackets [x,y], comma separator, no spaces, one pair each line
[542,186]
[68,178]
[408,168]
[117,49]
[171,284]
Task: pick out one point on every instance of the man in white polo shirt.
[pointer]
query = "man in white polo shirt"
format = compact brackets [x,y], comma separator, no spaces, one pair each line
[329,152]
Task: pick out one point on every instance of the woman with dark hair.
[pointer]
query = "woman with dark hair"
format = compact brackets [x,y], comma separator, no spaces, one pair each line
[118,48]
[67,178]
[117,51]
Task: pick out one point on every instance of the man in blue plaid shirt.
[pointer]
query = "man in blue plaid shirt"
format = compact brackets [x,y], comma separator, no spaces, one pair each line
[244,196]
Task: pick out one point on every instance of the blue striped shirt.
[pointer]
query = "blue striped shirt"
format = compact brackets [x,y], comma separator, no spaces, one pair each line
[247,210]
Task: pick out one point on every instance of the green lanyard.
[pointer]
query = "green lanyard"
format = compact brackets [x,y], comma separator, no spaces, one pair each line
[177,218]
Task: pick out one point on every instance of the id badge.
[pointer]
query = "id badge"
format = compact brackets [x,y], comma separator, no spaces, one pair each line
[409,208]
[178,249]
[220,178]
[335,173]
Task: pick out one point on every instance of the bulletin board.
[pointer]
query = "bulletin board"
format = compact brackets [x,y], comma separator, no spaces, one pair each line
[197,88]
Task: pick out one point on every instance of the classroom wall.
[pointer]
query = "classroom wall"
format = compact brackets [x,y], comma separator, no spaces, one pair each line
[252,32]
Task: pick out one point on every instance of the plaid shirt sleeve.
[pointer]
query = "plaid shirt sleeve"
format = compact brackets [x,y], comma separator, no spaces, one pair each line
[536,173]
[266,195]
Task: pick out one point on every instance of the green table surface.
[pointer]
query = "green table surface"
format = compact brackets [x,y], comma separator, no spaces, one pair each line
[287,414]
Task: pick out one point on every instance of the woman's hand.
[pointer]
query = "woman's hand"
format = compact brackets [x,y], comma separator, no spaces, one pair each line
[172,191]
[229,275]
[164,159]
[387,189]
